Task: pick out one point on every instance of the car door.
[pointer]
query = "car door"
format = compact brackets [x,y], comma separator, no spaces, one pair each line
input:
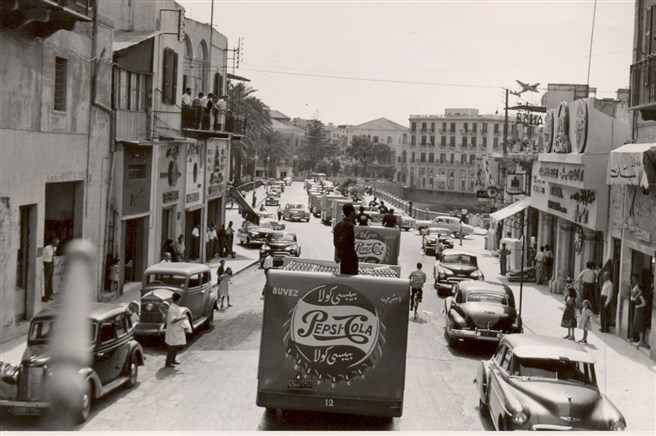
[195,295]
[106,357]
[503,360]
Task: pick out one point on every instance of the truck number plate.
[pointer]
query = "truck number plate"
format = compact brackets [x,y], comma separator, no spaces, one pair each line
[23,410]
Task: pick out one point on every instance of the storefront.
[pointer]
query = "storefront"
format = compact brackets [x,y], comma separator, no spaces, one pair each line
[632,177]
[194,205]
[569,190]
[170,198]
[217,175]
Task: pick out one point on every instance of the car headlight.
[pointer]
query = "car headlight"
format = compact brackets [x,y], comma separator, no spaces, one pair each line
[618,426]
[149,307]
[476,275]
[519,417]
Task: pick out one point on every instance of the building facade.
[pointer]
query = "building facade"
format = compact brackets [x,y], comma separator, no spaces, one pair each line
[381,132]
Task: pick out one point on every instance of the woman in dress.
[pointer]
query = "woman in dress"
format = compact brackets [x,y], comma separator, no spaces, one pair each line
[224,288]
[569,315]
[585,322]
[639,314]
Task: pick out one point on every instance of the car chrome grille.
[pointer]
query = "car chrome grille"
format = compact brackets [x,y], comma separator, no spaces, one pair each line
[30,383]
[151,317]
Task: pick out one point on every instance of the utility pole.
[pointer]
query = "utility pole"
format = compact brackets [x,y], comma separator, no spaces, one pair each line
[505,126]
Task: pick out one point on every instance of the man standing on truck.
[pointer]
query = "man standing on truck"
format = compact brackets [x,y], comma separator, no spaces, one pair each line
[362,217]
[344,242]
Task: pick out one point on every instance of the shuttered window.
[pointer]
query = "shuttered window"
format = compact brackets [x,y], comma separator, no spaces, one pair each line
[61,76]
[170,76]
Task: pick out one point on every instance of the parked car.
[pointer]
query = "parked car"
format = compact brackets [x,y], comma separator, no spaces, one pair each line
[115,361]
[254,234]
[481,311]
[272,199]
[454,267]
[407,222]
[422,224]
[516,274]
[294,212]
[193,281]
[278,185]
[288,181]
[433,235]
[281,245]
[544,383]
[453,224]
[273,219]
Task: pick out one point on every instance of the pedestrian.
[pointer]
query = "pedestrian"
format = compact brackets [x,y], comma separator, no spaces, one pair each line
[503,258]
[221,238]
[606,298]
[197,111]
[417,280]
[439,248]
[532,251]
[460,230]
[254,199]
[639,309]
[220,114]
[389,220]
[166,257]
[279,211]
[211,239]
[267,265]
[344,242]
[230,238]
[382,208]
[175,331]
[362,217]
[224,289]
[115,274]
[539,266]
[569,315]
[207,111]
[169,247]
[49,268]
[187,113]
[599,283]
[587,280]
[180,249]
[373,203]
[219,272]
[195,242]
[585,320]
[548,262]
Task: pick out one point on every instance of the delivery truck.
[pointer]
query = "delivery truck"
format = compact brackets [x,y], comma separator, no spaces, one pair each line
[327,207]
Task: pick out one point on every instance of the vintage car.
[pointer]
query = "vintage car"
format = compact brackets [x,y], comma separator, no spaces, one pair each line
[429,240]
[278,185]
[543,383]
[452,223]
[480,311]
[295,212]
[407,222]
[272,199]
[516,274]
[288,181]
[454,267]
[273,219]
[193,281]
[251,234]
[115,358]
[281,245]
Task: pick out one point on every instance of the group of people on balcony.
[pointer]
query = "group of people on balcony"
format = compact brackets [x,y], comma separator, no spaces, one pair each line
[205,112]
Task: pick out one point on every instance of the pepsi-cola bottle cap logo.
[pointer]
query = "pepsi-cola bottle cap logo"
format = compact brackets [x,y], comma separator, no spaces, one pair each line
[334,333]
[370,247]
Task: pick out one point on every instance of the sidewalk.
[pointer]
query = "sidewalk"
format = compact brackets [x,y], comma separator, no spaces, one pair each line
[624,373]
[12,351]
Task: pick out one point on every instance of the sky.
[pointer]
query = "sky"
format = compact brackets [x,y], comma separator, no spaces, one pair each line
[347,62]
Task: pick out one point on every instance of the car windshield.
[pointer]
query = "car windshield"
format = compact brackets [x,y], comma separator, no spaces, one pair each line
[561,370]
[264,224]
[459,258]
[281,237]
[296,206]
[41,331]
[166,279]
[484,297]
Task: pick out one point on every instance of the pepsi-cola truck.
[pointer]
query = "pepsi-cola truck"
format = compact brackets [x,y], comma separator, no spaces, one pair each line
[336,343]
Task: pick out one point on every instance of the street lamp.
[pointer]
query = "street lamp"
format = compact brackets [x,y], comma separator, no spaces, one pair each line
[254,166]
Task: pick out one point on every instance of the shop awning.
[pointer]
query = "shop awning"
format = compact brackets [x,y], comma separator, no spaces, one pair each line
[507,211]
[123,40]
[632,164]
[247,211]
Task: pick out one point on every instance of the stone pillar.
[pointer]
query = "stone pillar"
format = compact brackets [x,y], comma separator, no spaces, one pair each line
[564,252]
[587,247]
[545,236]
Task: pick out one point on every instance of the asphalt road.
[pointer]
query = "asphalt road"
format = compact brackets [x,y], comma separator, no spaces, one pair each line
[214,388]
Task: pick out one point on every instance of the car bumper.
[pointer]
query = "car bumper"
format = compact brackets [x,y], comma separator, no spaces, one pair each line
[255,241]
[299,217]
[477,334]
[25,408]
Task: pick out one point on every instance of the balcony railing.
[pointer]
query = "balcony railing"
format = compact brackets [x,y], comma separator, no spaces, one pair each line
[643,87]
[235,124]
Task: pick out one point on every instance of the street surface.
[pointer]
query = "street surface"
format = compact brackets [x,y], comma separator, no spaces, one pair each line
[214,388]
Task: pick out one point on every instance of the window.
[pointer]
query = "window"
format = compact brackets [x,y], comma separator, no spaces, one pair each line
[452,158]
[422,157]
[121,325]
[496,128]
[506,363]
[474,127]
[375,139]
[464,141]
[413,126]
[389,140]
[452,128]
[443,141]
[495,144]
[107,332]
[452,179]
[412,157]
[423,140]
[136,171]
[463,159]
[170,77]
[405,157]
[466,127]
[194,281]
[452,141]
[398,159]
[463,180]
[422,171]
[432,141]
[484,141]
[413,140]
[61,76]
[484,127]
[423,127]
[473,141]
[432,127]
[472,159]
[442,157]
[431,157]
[472,180]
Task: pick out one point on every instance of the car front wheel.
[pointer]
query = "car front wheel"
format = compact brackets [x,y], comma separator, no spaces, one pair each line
[133,373]
[84,407]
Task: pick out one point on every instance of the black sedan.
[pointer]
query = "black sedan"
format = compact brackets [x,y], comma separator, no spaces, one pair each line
[544,383]
[481,311]
[433,236]
[280,245]
[454,267]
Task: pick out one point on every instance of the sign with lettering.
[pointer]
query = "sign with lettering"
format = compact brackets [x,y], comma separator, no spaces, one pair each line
[626,166]
[218,167]
[171,164]
[515,183]
[194,169]
[137,163]
[562,173]
[377,244]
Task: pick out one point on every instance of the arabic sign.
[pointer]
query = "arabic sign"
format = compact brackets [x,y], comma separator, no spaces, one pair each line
[218,167]
[137,162]
[194,187]
[580,206]
[170,166]
[340,337]
[631,164]
[377,244]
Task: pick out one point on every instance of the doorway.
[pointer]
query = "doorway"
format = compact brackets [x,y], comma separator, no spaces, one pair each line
[168,219]
[135,237]
[25,261]
[642,268]
[193,218]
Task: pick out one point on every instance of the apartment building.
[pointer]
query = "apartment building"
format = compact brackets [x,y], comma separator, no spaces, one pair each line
[381,131]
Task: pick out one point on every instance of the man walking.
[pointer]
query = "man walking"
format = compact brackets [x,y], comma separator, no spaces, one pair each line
[175,331]
[539,266]
[344,242]
[210,235]
[606,298]
[587,280]
[187,114]
[230,237]
[49,268]
[503,258]
[548,262]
